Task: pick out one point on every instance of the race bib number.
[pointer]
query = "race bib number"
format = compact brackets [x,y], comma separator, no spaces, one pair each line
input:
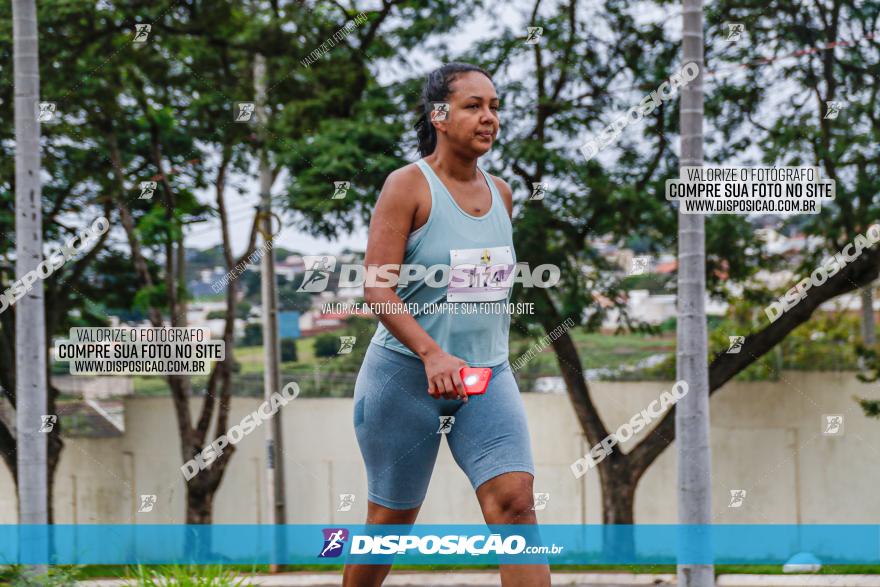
[480,275]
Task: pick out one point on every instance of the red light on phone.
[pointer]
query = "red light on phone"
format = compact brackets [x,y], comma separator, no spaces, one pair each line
[475,379]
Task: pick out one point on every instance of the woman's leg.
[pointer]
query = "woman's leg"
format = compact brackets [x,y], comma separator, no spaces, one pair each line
[396,424]
[490,442]
[508,499]
[373,575]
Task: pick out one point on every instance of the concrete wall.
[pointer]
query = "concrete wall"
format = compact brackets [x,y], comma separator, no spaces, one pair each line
[95,387]
[766,438]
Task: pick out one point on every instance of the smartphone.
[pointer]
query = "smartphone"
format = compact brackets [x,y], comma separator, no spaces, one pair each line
[475,379]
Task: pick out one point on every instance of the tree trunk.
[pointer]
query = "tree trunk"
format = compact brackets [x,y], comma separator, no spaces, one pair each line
[618,510]
[199,511]
[692,413]
[30,324]
[869,335]
[200,490]
[8,445]
[199,504]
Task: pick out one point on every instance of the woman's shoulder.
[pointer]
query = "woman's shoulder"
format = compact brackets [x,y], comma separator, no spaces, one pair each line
[407,186]
[408,176]
[505,191]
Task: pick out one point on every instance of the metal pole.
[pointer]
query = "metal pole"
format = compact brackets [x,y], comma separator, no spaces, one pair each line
[692,412]
[277,514]
[30,325]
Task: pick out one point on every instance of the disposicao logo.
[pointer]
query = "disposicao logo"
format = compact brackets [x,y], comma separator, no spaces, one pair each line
[334,541]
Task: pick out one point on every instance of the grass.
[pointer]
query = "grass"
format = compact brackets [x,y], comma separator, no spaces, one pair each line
[142,575]
[187,576]
[250,359]
[596,350]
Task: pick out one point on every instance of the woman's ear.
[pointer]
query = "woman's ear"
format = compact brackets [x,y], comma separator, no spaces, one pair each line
[439,115]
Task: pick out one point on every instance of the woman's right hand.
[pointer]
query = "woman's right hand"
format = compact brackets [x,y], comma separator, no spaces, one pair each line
[444,379]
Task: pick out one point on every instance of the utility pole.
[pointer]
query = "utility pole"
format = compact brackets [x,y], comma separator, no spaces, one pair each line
[30,319]
[692,411]
[271,344]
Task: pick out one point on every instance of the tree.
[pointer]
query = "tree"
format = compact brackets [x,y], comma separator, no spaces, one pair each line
[570,85]
[796,133]
[577,80]
[74,185]
[182,106]
[563,86]
[624,195]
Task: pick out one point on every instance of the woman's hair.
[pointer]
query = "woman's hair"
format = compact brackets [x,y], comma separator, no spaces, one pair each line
[436,89]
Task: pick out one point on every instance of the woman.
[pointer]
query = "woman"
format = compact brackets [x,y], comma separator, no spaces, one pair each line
[441,209]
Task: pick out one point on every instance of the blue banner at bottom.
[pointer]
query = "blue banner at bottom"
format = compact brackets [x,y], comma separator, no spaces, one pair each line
[438,544]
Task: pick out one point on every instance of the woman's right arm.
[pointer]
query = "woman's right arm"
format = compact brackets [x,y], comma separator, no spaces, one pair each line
[389,230]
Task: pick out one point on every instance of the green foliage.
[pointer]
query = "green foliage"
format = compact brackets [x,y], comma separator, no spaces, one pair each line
[334,375]
[798,132]
[205,258]
[669,325]
[870,362]
[253,334]
[22,576]
[653,282]
[870,407]
[290,300]
[326,345]
[249,282]
[150,296]
[187,576]
[242,310]
[596,351]
[825,343]
[288,350]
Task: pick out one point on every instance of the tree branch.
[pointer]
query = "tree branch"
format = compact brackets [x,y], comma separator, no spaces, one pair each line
[725,366]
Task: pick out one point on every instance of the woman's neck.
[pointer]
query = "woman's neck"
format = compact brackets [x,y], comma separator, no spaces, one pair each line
[461,169]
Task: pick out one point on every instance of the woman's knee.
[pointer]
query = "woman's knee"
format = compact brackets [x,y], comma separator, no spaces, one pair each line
[507,499]
[377,514]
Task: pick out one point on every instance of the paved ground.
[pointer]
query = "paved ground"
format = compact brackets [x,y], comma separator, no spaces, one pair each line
[439,579]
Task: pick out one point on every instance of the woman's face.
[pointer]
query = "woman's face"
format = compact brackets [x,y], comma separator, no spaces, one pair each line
[472,122]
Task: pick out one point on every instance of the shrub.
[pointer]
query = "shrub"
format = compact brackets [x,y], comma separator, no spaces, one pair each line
[326,345]
[253,335]
[288,350]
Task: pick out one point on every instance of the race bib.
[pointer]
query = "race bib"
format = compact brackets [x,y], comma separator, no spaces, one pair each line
[480,275]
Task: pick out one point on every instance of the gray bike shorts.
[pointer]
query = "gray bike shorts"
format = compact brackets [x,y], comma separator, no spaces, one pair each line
[399,427]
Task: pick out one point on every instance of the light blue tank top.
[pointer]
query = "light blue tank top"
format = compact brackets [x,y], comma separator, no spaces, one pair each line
[478,333]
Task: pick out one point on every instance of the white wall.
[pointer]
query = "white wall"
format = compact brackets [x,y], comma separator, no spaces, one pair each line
[766,438]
